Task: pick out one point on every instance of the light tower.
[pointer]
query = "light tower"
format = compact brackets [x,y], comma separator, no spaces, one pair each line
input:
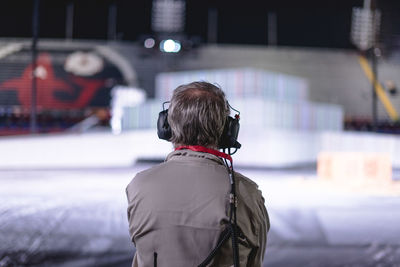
[168,24]
[365,28]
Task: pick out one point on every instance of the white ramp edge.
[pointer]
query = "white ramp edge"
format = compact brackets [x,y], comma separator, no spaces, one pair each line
[260,148]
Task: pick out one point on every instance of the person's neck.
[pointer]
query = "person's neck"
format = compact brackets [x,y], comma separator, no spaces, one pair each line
[204,149]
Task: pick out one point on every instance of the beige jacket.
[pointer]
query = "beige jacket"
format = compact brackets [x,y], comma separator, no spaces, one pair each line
[177,210]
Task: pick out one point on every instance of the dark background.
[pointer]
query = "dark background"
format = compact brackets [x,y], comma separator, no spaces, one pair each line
[303,23]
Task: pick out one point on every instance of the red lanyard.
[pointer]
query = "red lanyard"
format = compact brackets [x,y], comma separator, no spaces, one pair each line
[206,150]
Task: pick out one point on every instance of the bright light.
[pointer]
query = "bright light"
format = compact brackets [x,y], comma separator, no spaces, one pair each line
[149,43]
[170,46]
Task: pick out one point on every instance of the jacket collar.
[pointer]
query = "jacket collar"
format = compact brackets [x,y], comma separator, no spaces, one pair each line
[189,154]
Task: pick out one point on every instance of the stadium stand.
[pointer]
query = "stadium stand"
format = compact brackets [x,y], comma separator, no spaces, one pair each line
[73,82]
[334,76]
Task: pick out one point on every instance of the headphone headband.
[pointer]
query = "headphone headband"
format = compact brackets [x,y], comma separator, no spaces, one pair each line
[228,138]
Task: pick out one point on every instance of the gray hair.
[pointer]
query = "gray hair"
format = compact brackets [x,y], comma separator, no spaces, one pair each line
[197,114]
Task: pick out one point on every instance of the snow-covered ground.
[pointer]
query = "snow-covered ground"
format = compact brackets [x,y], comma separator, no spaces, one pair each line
[77,217]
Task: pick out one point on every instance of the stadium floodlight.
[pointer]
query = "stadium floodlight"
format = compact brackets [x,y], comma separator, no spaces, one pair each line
[149,43]
[170,46]
[365,25]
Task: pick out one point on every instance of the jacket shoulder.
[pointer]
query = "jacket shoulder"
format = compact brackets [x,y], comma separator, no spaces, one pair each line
[249,192]
[247,182]
[143,177]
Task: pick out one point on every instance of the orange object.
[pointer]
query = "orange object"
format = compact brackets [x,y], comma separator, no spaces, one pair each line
[355,167]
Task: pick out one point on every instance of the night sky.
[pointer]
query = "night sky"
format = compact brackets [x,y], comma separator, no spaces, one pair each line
[306,23]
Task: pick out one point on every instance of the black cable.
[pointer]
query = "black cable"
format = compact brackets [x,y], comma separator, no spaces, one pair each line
[223,237]
[235,245]
[231,230]
[234,109]
[165,102]
[232,213]
[234,152]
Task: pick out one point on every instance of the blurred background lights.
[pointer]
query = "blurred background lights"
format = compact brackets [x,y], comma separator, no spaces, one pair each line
[149,43]
[170,46]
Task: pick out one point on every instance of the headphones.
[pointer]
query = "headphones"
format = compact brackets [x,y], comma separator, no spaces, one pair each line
[227,140]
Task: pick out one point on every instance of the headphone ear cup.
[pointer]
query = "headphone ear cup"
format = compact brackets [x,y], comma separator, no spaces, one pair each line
[163,129]
[230,134]
[234,128]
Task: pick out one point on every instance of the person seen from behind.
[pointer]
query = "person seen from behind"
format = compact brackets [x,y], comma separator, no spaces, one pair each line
[179,210]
